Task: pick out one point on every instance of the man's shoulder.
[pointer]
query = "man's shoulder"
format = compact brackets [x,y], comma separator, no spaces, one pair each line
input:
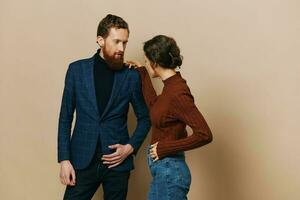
[81,62]
[132,73]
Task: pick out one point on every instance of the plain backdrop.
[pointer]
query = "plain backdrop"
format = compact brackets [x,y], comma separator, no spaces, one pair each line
[241,61]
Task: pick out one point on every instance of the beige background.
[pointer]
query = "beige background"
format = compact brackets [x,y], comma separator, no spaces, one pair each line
[241,60]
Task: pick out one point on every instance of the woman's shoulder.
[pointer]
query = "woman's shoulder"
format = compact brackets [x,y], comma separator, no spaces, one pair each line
[182,91]
[181,86]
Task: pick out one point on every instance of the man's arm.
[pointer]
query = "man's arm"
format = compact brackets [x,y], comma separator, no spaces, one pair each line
[66,117]
[139,134]
[141,112]
[67,172]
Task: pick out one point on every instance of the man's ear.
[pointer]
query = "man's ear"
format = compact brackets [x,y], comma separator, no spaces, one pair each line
[100,41]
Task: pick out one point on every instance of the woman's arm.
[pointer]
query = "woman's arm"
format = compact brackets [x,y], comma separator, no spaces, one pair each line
[147,87]
[186,111]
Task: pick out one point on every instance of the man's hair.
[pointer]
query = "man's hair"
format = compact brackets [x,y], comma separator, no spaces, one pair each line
[108,22]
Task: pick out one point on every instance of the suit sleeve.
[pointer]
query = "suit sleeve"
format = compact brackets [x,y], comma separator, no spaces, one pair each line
[66,116]
[142,115]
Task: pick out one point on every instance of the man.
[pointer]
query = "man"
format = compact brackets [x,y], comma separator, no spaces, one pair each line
[100,89]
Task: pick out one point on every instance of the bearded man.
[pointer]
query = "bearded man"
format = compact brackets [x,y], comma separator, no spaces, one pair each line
[100,151]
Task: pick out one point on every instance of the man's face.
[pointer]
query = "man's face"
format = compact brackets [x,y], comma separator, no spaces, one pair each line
[113,47]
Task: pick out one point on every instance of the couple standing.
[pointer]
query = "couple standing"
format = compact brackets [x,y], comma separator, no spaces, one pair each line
[100,89]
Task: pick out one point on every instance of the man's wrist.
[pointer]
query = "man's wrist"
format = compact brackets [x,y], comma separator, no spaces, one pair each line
[64,161]
[131,149]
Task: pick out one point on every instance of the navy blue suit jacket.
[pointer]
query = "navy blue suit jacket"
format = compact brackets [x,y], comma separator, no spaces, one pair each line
[79,95]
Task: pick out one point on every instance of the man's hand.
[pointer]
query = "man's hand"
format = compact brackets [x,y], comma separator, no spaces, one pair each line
[116,158]
[67,173]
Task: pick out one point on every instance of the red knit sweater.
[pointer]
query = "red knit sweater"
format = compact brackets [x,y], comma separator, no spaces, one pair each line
[170,112]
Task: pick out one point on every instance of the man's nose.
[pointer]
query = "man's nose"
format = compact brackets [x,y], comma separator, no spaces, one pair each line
[121,47]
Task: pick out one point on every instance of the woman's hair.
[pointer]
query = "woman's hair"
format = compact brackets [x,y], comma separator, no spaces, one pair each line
[164,51]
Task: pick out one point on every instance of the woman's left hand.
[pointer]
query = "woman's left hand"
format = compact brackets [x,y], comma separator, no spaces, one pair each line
[133,64]
[153,152]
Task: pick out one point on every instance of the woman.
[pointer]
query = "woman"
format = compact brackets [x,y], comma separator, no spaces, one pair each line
[170,112]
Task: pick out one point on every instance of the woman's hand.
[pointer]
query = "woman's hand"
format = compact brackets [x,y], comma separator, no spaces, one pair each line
[133,64]
[153,152]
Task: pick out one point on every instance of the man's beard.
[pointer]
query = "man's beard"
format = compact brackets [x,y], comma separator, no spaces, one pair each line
[115,62]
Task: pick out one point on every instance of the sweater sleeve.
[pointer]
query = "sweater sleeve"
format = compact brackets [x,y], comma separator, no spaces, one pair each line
[149,93]
[186,111]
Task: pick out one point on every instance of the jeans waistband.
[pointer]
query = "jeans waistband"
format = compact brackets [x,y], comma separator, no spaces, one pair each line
[179,154]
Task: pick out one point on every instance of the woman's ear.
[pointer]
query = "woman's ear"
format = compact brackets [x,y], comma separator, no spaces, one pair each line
[154,65]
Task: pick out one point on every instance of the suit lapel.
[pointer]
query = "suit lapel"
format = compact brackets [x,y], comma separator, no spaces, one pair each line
[89,79]
[118,82]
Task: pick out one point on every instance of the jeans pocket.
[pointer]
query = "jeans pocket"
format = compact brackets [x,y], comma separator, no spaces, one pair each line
[183,173]
[151,165]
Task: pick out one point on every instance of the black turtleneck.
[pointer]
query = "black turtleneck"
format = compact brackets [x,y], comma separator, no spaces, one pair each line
[103,78]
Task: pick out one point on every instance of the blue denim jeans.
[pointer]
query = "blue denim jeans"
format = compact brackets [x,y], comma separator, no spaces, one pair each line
[171,178]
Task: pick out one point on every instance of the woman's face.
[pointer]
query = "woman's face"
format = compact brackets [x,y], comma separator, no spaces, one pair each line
[150,67]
